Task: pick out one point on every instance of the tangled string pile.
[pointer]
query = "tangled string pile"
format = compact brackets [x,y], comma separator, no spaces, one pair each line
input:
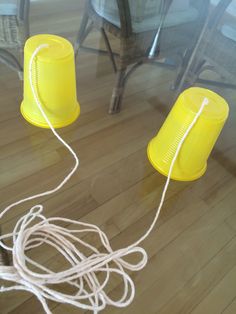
[84,271]
[89,273]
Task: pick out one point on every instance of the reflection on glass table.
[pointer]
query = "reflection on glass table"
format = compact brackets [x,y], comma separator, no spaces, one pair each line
[215,50]
[14,30]
[160,29]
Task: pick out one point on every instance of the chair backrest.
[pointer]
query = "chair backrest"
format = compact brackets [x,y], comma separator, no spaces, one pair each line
[23,9]
[128,14]
[221,8]
[8,7]
[18,8]
[231,9]
[218,44]
[139,9]
[14,22]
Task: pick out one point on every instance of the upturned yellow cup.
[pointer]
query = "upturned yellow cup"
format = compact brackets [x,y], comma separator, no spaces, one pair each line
[191,162]
[54,79]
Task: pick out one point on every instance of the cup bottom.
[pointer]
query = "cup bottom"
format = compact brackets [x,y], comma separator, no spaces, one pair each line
[43,124]
[176,173]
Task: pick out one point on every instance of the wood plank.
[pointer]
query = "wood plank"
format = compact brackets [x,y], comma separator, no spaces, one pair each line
[220,296]
[231,308]
[202,282]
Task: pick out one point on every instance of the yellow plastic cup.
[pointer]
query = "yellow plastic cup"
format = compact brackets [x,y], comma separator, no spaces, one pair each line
[191,162]
[54,70]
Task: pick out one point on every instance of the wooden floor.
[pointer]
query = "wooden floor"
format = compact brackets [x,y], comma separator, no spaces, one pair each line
[192,251]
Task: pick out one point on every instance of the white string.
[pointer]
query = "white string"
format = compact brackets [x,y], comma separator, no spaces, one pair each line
[90,268]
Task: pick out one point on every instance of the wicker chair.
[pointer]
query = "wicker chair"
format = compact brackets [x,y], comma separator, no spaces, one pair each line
[215,50]
[14,30]
[146,30]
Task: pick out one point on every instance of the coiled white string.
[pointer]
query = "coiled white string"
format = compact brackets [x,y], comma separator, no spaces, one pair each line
[88,273]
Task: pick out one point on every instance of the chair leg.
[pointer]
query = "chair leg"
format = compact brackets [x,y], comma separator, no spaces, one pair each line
[108,46]
[181,70]
[10,60]
[21,72]
[21,75]
[190,75]
[118,91]
[82,34]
